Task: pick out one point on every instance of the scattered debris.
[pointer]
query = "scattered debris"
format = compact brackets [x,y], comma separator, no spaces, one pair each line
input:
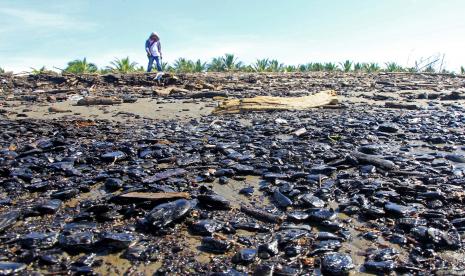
[313,191]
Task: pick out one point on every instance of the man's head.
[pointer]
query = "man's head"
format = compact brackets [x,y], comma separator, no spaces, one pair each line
[154,36]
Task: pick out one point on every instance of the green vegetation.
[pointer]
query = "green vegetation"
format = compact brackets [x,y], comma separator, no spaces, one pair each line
[104,71]
[371,67]
[329,66]
[346,66]
[81,67]
[200,66]
[216,65]
[123,65]
[2,70]
[290,68]
[275,66]
[182,65]
[230,63]
[266,65]
[42,70]
[394,67]
[165,67]
[429,69]
[261,65]
[315,67]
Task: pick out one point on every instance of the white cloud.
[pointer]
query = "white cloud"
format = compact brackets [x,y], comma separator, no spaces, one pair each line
[38,19]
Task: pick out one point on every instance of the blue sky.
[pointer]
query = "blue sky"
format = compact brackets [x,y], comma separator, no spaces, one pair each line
[51,32]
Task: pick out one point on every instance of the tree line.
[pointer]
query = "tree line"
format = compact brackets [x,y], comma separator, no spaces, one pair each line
[230,63]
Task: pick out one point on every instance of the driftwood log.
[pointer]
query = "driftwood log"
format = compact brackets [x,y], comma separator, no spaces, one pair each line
[99,101]
[268,103]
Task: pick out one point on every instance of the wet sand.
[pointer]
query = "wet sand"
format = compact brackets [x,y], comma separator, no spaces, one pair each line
[144,108]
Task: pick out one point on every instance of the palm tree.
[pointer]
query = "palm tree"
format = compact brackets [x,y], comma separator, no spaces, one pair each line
[275,66]
[290,68]
[329,66]
[200,66]
[81,67]
[346,65]
[393,67]
[316,66]
[261,65]
[123,65]
[303,68]
[230,62]
[358,67]
[182,65]
[374,67]
[371,67]
[216,65]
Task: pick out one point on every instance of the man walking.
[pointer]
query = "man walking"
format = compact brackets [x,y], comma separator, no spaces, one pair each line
[153,49]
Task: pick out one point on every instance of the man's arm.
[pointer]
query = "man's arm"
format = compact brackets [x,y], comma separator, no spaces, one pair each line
[147,47]
[159,48]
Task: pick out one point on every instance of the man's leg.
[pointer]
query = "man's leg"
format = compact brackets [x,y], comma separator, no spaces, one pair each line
[157,60]
[149,67]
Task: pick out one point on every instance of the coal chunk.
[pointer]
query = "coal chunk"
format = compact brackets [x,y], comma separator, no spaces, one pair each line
[167,213]
[9,268]
[213,245]
[281,200]
[380,266]
[336,264]
[8,219]
[116,241]
[388,128]
[49,207]
[205,227]
[38,240]
[245,256]
[65,194]
[214,201]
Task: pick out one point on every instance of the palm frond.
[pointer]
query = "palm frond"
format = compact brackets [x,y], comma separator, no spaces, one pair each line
[346,65]
[329,66]
[261,65]
[123,65]
[216,65]
[394,67]
[275,66]
[81,67]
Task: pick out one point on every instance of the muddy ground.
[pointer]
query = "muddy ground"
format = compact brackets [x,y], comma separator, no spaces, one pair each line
[373,185]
